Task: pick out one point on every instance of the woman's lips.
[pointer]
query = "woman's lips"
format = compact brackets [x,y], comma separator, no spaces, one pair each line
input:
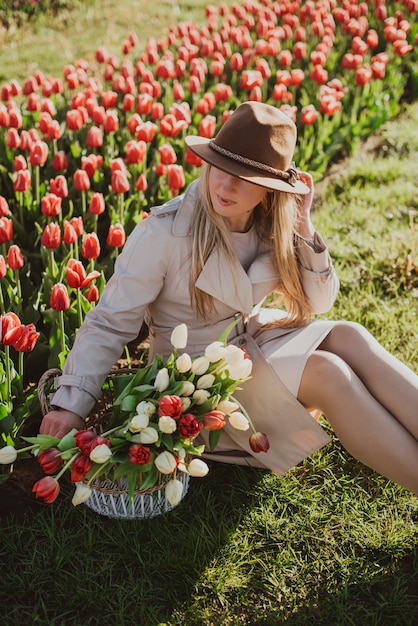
[224,201]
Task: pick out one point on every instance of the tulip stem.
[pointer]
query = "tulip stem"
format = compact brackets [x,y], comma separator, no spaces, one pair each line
[62,330]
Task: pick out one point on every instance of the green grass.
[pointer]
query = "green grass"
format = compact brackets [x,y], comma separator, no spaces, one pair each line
[329,543]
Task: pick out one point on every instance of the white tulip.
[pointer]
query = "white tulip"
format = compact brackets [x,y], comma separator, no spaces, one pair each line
[162,380]
[148,435]
[226,406]
[174,491]
[241,371]
[179,337]
[200,365]
[101,453]
[185,404]
[205,381]
[166,462]
[184,363]
[166,424]
[233,355]
[187,389]
[81,494]
[215,351]
[200,396]
[8,455]
[198,468]
[146,407]
[138,423]
[239,421]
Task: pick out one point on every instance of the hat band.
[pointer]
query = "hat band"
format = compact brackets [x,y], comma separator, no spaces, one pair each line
[290,176]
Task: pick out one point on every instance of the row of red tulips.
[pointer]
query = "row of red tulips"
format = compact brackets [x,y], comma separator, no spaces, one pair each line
[85,155]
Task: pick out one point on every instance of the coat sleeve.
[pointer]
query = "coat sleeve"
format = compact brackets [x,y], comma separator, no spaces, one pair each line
[136,282]
[320,282]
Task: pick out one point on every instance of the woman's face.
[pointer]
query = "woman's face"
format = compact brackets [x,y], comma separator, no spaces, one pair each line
[234,199]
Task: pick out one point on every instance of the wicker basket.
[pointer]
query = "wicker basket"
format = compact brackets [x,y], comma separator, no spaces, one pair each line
[108,497]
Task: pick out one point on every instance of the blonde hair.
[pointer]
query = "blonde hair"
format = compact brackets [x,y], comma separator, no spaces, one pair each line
[276,220]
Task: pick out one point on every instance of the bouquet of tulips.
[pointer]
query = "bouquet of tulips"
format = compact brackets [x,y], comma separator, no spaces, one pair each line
[150,434]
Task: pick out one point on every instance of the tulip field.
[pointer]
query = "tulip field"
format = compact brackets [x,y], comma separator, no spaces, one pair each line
[85,153]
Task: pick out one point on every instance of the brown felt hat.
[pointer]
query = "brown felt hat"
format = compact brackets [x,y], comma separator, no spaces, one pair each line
[256,143]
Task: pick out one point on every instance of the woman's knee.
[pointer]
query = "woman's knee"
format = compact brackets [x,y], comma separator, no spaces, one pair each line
[346,334]
[325,373]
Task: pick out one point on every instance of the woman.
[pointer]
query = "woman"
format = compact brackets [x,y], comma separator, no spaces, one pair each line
[240,232]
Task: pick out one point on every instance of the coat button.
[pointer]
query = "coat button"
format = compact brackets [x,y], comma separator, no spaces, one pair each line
[242,342]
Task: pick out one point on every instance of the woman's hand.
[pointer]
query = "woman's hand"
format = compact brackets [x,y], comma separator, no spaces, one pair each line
[58,423]
[305,227]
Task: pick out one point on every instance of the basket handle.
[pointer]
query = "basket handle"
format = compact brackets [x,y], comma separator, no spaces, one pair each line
[43,394]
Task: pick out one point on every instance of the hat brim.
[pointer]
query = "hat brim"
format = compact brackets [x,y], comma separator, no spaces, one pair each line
[200,146]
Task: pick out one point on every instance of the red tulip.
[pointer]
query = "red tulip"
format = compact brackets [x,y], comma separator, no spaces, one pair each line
[26,140]
[90,248]
[81,467]
[170,126]
[60,161]
[116,236]
[70,235]
[138,454]
[9,321]
[214,420]
[97,204]
[146,132]
[189,426]
[363,75]
[167,154]
[15,119]
[109,99]
[223,92]
[128,103]
[38,153]
[92,294]
[12,139]
[3,268]
[50,460]
[144,103]
[23,181]
[90,164]
[77,224]
[20,163]
[22,338]
[120,183]
[81,180]
[308,115]
[192,159]
[51,236]
[51,205]
[207,126]
[58,186]
[76,276]
[59,300]
[4,207]
[6,230]
[135,151]
[74,119]
[15,258]
[157,111]
[171,406]
[176,179]
[4,117]
[141,183]
[47,488]
[94,137]
[259,442]
[111,122]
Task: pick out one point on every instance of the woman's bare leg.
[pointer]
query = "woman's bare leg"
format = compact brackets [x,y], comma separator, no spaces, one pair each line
[365,427]
[391,382]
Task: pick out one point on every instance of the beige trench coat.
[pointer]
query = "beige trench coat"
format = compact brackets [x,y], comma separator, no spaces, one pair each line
[151,283]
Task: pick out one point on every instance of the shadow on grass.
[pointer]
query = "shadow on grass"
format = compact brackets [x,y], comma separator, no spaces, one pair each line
[71,566]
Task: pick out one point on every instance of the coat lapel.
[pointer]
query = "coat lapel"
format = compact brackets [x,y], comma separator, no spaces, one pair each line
[229,284]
